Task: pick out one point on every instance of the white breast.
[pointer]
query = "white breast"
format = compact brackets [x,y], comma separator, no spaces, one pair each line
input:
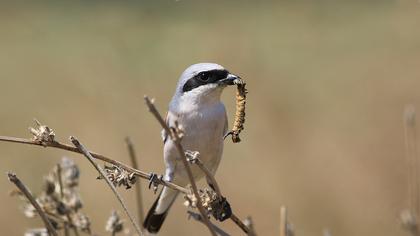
[204,129]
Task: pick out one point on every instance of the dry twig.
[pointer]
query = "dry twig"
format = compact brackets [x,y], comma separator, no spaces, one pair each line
[14,179]
[409,217]
[194,158]
[69,220]
[174,134]
[133,159]
[103,174]
[199,218]
[63,146]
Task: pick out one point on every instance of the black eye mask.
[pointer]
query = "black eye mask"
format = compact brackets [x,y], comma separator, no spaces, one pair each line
[203,78]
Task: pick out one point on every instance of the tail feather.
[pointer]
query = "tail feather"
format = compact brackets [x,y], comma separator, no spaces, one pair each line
[155,217]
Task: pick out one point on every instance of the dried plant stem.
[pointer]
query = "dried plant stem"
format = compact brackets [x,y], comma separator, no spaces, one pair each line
[70,221]
[283,221]
[133,158]
[14,179]
[199,218]
[216,187]
[411,153]
[101,157]
[103,175]
[250,224]
[175,136]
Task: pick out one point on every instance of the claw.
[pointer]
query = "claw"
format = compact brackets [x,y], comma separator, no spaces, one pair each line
[221,209]
[192,156]
[154,181]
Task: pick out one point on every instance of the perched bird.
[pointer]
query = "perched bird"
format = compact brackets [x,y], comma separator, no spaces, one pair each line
[197,108]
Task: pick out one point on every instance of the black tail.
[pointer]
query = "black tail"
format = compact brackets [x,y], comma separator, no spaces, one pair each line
[153,221]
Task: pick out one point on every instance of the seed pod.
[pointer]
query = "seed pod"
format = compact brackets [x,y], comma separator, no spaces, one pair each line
[238,124]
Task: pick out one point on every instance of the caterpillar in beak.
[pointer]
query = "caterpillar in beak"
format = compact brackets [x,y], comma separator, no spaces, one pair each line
[238,124]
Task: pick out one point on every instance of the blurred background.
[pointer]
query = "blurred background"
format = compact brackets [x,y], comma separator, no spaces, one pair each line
[327,81]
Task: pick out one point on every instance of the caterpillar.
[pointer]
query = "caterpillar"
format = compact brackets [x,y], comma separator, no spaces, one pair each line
[238,124]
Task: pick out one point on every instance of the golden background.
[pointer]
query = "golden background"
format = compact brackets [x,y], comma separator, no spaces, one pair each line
[327,80]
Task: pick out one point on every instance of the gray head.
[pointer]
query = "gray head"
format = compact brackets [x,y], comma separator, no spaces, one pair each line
[201,83]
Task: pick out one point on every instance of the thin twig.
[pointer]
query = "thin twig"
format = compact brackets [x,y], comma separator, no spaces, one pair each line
[14,179]
[239,222]
[70,221]
[199,218]
[250,224]
[410,218]
[103,174]
[101,157]
[175,136]
[411,153]
[60,184]
[133,158]
[196,160]
[283,221]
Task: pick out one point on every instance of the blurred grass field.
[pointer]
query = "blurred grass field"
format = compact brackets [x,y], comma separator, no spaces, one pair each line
[327,80]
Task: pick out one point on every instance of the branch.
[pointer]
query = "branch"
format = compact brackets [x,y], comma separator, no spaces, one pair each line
[70,221]
[103,174]
[133,159]
[14,179]
[199,218]
[194,158]
[283,221]
[174,133]
[63,146]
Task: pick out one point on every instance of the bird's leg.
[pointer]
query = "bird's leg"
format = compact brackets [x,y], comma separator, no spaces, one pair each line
[154,181]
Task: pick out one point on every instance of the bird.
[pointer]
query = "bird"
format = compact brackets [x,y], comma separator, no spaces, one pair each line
[197,108]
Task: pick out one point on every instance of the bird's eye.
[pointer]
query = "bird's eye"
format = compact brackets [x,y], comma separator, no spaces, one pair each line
[204,77]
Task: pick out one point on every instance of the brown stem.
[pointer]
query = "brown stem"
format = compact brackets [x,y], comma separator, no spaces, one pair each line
[283,221]
[14,179]
[133,158]
[79,146]
[70,221]
[199,218]
[212,179]
[101,157]
[175,136]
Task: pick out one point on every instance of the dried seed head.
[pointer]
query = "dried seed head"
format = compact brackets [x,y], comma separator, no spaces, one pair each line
[42,134]
[208,198]
[37,232]
[81,221]
[69,172]
[410,115]
[60,197]
[29,210]
[114,223]
[49,185]
[409,221]
[119,176]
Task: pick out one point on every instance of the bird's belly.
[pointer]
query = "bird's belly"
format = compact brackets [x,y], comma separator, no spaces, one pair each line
[205,138]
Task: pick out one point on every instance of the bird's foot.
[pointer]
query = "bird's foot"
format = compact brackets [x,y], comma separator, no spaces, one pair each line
[154,181]
[192,156]
[221,209]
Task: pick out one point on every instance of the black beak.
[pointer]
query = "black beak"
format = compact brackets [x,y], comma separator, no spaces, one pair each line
[230,80]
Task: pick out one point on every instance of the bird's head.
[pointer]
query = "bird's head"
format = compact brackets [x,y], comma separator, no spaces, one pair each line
[203,83]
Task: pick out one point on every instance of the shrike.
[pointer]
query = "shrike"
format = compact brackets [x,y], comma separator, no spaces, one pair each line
[197,108]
